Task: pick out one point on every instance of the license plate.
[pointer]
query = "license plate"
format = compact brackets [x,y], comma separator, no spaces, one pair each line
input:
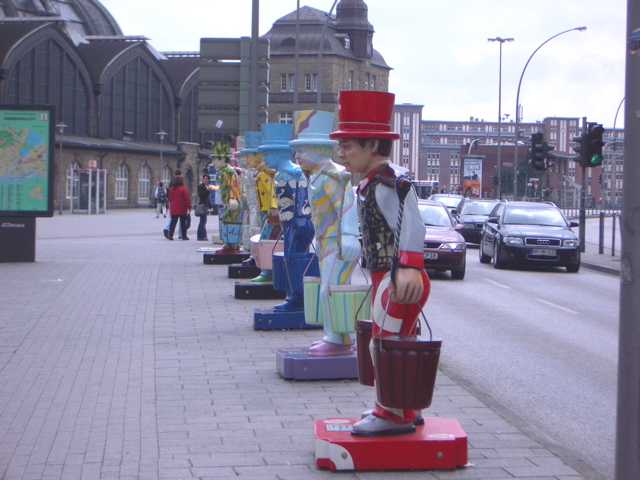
[430,256]
[544,251]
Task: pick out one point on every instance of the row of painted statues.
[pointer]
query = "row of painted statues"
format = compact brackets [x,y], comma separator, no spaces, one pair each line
[315,198]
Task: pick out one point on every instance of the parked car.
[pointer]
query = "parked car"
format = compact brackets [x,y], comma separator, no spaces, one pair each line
[528,233]
[471,214]
[450,200]
[444,247]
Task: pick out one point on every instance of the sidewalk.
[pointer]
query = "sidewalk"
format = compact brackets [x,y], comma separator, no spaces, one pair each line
[123,356]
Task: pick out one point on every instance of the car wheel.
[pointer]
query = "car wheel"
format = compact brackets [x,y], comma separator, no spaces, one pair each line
[458,274]
[483,258]
[574,267]
[497,261]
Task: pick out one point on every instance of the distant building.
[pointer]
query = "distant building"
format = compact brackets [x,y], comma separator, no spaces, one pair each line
[349,61]
[113,93]
[443,145]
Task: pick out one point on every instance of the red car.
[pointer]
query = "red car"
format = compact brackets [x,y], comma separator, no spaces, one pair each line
[444,248]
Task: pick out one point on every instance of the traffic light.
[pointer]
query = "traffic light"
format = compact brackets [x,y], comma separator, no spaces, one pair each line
[537,151]
[546,148]
[594,138]
[581,148]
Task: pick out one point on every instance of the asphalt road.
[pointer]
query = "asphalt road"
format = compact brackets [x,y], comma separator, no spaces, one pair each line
[541,347]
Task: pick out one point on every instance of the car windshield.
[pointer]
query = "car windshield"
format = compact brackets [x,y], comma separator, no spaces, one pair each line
[477,208]
[435,216]
[448,201]
[534,216]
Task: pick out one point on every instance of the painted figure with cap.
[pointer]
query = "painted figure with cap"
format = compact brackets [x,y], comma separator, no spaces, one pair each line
[334,216]
[294,211]
[266,207]
[229,187]
[400,283]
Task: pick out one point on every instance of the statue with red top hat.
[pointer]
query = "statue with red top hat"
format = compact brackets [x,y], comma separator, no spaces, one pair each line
[400,283]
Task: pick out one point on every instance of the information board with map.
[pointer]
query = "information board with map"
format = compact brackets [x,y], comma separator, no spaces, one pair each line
[26,160]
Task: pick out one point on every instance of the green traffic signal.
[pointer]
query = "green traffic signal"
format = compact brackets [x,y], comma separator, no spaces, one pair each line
[596,160]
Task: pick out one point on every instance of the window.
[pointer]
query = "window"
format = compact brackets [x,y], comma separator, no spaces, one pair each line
[283,82]
[373,82]
[311,82]
[46,75]
[71,166]
[350,80]
[406,128]
[405,143]
[134,100]
[122,182]
[292,82]
[144,183]
[286,117]
[367,80]
[167,174]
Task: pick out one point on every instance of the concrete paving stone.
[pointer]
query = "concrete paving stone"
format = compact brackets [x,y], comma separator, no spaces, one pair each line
[141,364]
[526,472]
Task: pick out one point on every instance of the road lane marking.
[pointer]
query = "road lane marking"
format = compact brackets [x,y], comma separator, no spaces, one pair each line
[496,283]
[568,310]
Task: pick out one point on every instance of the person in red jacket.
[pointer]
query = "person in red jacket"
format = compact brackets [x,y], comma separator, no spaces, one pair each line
[179,206]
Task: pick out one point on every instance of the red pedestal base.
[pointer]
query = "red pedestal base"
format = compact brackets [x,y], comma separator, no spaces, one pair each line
[440,443]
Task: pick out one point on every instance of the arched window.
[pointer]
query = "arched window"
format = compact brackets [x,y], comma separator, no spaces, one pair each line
[71,166]
[144,184]
[134,100]
[167,175]
[47,75]
[189,117]
[122,182]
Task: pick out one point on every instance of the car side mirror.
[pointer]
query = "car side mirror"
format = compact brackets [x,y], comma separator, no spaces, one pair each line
[459,226]
[573,224]
[493,220]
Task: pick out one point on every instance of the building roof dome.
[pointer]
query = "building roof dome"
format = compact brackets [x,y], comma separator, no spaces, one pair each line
[82,18]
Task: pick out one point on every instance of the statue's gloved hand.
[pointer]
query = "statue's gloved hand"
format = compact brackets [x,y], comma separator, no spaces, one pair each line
[349,247]
[233,204]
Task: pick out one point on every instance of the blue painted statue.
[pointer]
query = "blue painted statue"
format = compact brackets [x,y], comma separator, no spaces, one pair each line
[295,214]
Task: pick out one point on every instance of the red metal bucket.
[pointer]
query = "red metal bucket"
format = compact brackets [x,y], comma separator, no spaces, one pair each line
[406,368]
[363,339]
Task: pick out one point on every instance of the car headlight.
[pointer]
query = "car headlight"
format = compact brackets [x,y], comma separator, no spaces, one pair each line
[454,246]
[571,243]
[513,240]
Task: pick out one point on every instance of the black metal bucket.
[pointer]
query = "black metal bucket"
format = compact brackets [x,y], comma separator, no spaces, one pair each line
[405,368]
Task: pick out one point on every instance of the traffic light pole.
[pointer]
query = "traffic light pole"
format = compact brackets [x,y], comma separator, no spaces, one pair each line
[582,229]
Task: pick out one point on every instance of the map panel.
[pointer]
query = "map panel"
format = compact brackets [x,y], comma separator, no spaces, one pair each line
[25,162]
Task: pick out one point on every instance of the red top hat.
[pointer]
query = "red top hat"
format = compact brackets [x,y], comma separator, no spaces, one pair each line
[365,114]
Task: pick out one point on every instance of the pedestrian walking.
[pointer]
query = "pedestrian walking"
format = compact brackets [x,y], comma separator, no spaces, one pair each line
[203,205]
[160,195]
[179,207]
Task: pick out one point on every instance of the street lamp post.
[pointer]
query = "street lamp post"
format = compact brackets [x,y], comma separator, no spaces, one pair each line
[501,40]
[60,126]
[161,134]
[515,155]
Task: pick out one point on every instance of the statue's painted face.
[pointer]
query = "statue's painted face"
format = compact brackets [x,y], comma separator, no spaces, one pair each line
[254,160]
[274,158]
[313,156]
[217,162]
[242,161]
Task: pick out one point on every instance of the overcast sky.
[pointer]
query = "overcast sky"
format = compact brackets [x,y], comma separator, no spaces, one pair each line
[439,52]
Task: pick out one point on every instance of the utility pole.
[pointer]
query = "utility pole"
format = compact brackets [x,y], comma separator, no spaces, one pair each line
[628,420]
